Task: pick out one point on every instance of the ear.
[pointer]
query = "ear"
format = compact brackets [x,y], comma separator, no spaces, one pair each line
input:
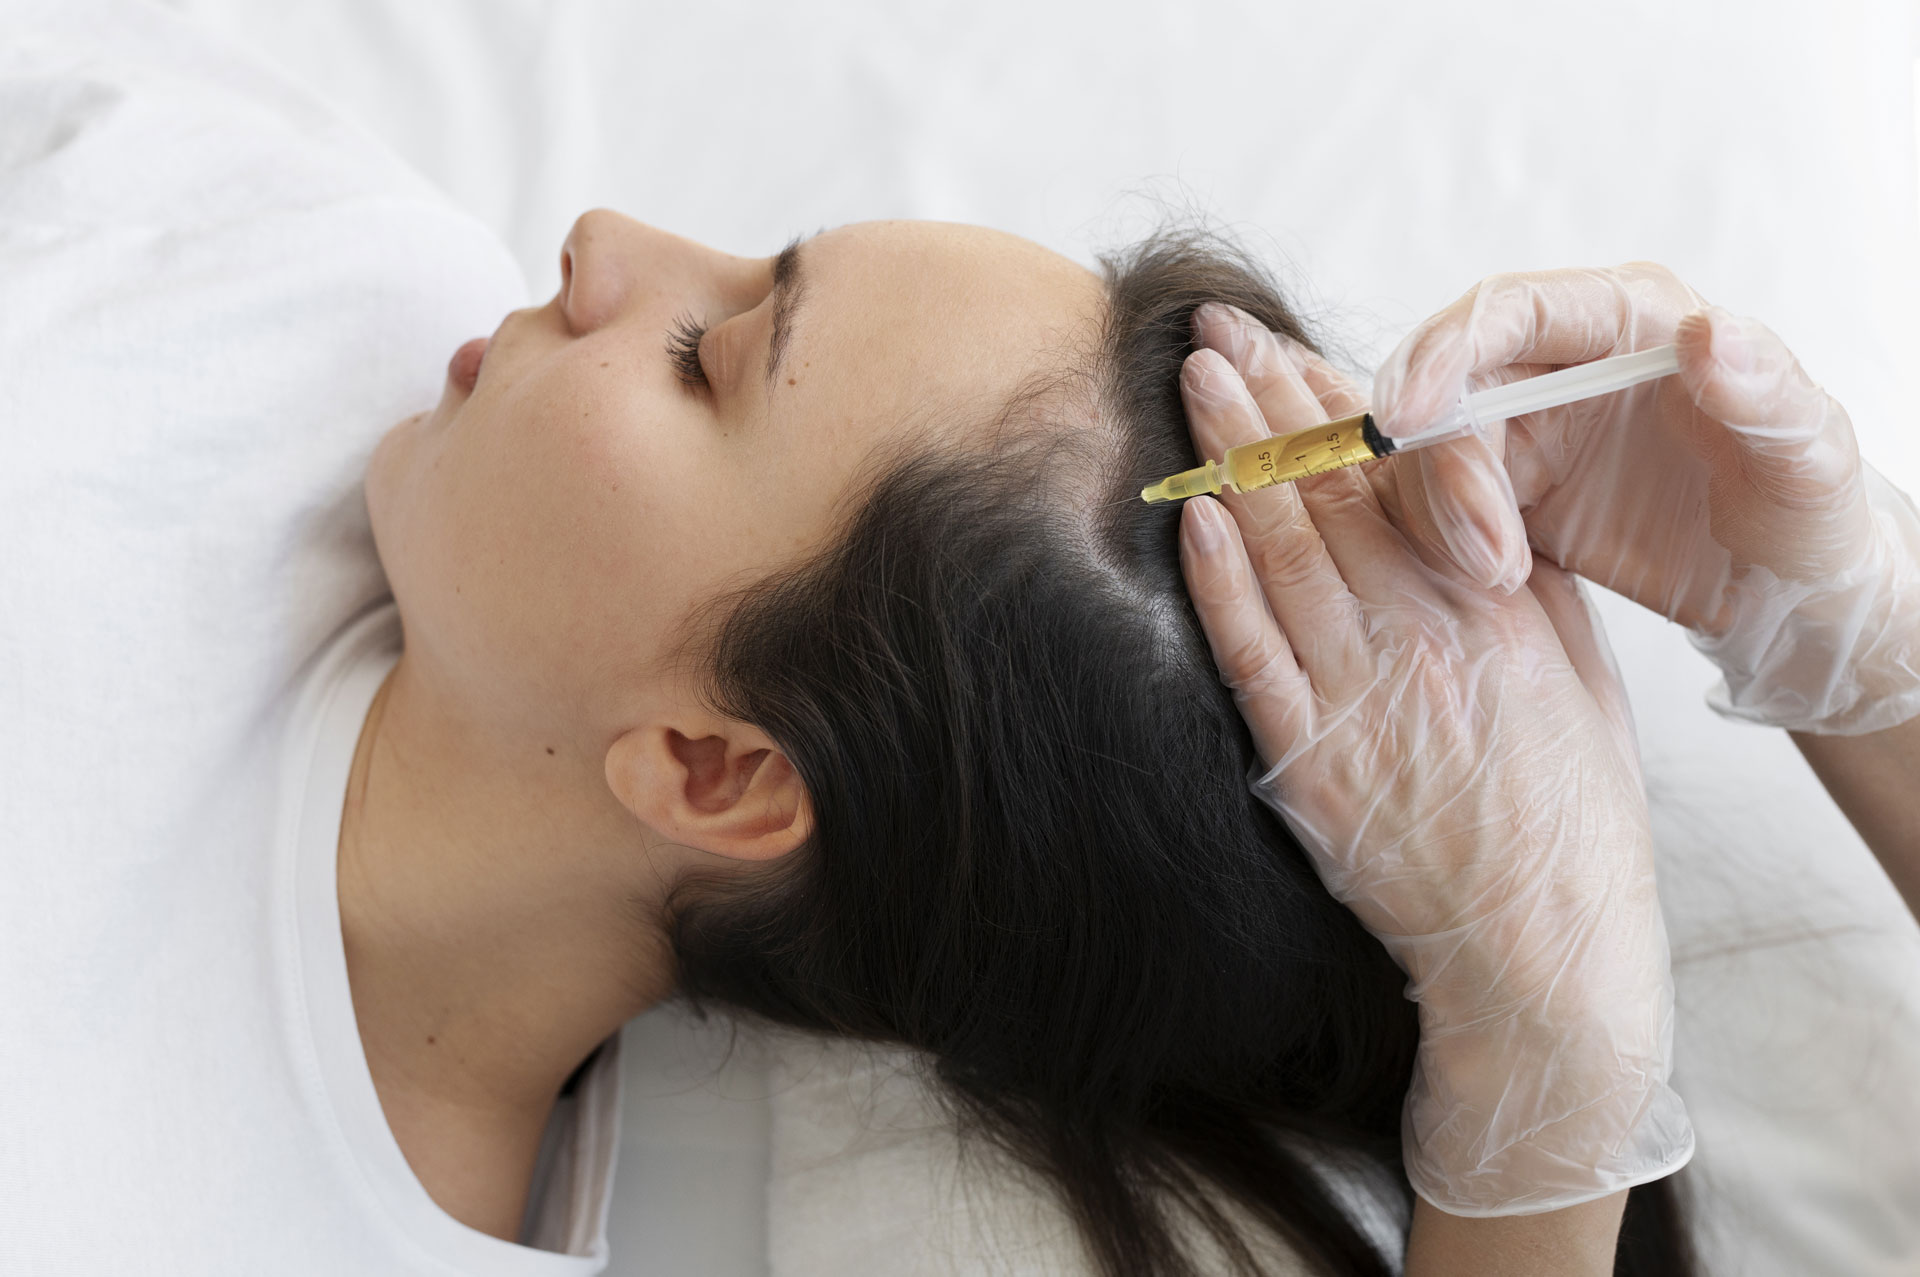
[711,783]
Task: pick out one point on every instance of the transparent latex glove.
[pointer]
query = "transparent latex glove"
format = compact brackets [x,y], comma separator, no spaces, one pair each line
[1459,764]
[1731,498]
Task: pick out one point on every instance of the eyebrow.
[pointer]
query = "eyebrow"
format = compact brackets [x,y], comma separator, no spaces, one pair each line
[789,290]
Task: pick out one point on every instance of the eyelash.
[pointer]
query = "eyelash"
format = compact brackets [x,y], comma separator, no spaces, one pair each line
[683,348]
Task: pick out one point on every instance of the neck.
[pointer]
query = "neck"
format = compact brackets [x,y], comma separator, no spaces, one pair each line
[495,910]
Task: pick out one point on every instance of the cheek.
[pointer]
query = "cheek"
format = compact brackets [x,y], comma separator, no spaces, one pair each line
[567,543]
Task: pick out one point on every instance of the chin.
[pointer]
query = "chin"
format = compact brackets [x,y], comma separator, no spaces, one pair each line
[377,483]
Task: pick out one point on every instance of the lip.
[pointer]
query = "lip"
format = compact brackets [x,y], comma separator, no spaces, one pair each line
[463,370]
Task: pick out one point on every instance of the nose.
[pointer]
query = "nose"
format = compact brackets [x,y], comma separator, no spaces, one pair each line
[591,285]
[609,259]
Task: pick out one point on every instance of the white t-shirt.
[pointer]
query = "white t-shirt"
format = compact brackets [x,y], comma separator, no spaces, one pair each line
[573,1181]
[215,297]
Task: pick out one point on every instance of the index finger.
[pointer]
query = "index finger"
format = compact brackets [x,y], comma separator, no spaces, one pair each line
[1553,317]
[1248,645]
[1279,372]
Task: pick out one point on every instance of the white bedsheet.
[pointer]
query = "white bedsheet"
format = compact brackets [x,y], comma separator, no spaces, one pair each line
[1390,155]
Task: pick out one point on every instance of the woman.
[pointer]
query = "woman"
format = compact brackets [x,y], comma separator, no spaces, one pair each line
[840,757]
[863,696]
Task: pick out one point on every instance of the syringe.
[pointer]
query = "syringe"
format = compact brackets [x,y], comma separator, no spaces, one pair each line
[1351,440]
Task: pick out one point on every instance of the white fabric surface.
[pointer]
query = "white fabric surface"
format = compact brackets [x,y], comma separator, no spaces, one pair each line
[1390,154]
[214,298]
[867,1178]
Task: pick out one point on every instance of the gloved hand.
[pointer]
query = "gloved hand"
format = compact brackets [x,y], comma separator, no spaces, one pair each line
[1731,498]
[1460,765]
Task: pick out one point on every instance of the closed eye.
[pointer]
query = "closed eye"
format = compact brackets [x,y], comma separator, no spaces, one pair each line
[683,348]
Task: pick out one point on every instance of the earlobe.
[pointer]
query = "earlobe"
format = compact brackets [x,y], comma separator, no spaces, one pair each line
[719,786]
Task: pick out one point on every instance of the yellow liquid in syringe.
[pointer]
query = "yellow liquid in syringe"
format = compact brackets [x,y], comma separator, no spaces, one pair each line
[1279,459]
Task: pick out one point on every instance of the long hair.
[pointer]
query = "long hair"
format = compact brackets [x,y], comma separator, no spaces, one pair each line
[1035,855]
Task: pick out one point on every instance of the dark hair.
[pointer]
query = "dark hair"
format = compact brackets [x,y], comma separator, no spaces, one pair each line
[1035,854]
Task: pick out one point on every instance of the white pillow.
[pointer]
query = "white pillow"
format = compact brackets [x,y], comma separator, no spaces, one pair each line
[867,1177]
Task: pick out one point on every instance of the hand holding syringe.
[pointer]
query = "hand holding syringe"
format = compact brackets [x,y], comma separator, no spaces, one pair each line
[1731,499]
[1352,440]
[1459,766]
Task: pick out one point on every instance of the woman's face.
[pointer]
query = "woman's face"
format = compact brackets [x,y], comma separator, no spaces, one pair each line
[547,532]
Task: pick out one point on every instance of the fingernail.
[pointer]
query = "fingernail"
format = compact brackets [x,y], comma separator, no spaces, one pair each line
[1205,315]
[1388,382]
[1517,574]
[1202,531]
[1236,332]
[1730,344]
[1477,518]
[1210,377]
[1472,548]
[1420,379]
[1275,352]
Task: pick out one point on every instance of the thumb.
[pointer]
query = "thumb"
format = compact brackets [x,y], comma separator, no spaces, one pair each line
[1463,499]
[1793,439]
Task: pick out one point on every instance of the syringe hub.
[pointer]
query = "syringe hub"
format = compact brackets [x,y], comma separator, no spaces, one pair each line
[1209,478]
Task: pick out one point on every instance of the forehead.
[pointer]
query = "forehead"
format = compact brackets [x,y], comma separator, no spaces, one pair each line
[931,312]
